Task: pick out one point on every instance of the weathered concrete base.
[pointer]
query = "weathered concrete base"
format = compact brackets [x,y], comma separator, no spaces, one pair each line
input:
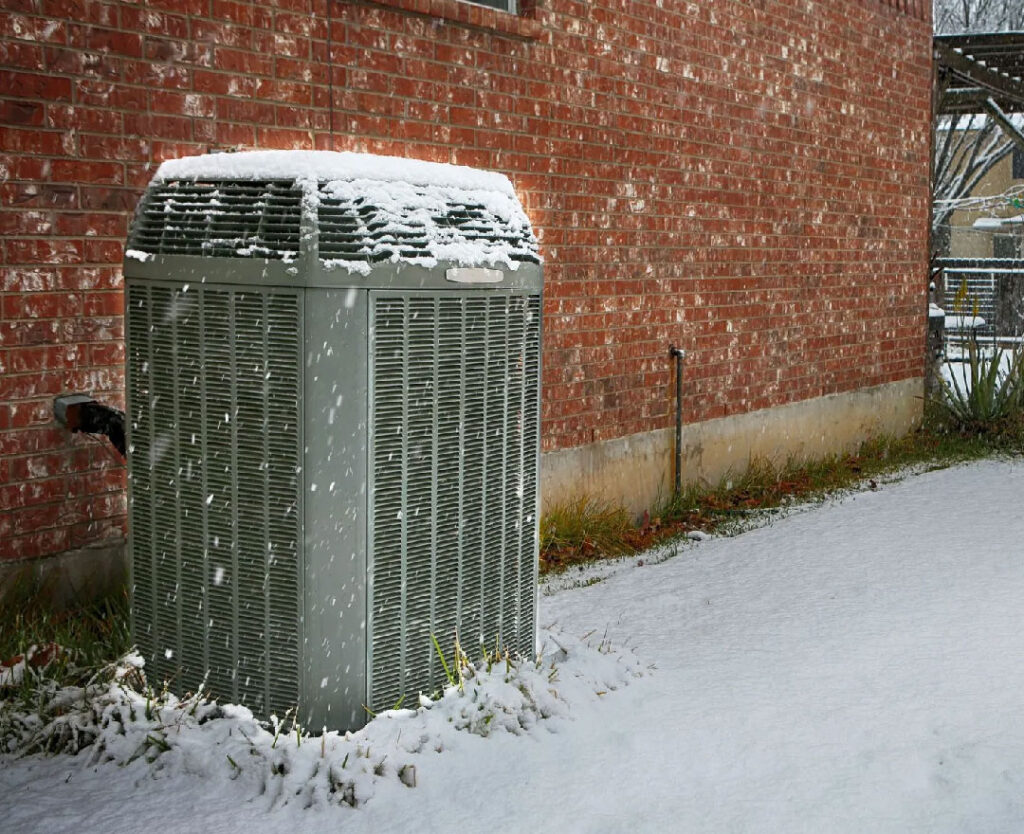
[67,579]
[636,471]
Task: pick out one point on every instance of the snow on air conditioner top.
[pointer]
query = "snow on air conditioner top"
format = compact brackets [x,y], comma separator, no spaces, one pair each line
[366,210]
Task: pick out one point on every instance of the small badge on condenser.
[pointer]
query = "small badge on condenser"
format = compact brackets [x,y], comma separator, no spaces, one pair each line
[474,275]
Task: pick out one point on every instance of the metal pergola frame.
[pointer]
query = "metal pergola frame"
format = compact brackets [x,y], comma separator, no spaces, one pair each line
[980,73]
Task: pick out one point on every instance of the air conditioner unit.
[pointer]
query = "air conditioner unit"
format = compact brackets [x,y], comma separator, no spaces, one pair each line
[333,367]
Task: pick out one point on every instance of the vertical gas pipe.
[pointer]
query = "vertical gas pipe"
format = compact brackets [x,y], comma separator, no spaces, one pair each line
[679,355]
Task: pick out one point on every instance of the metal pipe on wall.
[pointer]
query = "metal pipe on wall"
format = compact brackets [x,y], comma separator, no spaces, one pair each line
[679,355]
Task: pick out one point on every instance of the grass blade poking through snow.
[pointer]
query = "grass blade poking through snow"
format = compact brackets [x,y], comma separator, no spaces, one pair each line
[444,663]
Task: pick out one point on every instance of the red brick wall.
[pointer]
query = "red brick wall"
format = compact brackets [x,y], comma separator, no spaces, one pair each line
[745,178]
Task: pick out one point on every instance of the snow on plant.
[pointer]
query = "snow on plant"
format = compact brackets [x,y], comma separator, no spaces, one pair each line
[115,717]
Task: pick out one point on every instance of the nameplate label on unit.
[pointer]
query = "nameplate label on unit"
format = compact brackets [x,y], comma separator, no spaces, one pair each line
[474,275]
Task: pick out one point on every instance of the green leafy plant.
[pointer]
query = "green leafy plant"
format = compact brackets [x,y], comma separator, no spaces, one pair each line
[989,391]
[985,390]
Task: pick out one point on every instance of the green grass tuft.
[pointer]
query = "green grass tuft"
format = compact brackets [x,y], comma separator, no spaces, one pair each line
[76,643]
[581,529]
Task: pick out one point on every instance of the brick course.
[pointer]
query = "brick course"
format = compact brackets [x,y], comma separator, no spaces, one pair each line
[745,178]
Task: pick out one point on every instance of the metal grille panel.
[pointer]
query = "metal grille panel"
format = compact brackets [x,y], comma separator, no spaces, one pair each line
[454,454]
[358,229]
[235,219]
[214,387]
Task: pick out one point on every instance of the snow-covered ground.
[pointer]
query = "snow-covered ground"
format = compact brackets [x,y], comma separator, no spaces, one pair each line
[857,667]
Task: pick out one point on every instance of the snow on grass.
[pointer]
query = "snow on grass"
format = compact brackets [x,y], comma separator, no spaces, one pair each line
[13,674]
[115,720]
[853,667]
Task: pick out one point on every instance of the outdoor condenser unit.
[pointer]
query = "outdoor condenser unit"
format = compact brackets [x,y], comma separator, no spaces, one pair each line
[333,399]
